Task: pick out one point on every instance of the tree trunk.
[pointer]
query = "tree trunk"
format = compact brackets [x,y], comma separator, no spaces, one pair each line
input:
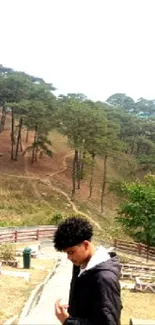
[79,170]
[41,154]
[18,138]
[21,147]
[82,165]
[36,154]
[34,145]
[104,182]
[3,118]
[33,154]
[27,135]
[74,173]
[91,175]
[12,134]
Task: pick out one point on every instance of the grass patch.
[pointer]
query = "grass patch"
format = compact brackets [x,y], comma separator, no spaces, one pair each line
[28,202]
[59,142]
[15,291]
[137,305]
[110,228]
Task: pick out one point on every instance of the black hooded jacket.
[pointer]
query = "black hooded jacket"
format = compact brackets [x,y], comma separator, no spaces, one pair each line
[95,295]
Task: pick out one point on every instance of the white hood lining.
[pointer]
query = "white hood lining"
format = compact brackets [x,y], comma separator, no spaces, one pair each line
[101,255]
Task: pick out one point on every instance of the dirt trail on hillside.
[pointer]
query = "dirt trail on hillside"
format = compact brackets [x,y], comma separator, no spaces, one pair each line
[54,188]
[47,181]
[74,206]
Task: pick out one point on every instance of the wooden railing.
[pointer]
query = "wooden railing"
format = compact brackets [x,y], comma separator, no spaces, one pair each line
[135,248]
[28,234]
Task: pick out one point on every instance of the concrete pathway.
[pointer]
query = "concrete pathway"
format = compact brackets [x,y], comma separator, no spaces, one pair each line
[57,287]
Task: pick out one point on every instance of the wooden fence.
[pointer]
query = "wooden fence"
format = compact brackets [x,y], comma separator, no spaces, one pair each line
[28,234]
[135,248]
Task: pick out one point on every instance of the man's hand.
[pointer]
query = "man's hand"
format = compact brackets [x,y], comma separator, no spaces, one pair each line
[60,311]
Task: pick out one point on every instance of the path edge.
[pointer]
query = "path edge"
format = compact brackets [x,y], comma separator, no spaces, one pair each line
[36,292]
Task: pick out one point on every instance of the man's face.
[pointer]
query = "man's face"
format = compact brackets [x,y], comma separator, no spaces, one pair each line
[78,254]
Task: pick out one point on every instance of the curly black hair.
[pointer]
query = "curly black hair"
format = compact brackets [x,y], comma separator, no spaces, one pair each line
[72,231]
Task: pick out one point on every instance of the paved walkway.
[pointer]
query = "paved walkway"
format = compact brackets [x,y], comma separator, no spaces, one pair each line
[57,287]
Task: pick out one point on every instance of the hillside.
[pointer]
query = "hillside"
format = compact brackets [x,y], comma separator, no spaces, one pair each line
[31,193]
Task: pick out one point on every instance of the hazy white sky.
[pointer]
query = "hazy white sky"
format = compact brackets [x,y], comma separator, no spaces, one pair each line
[97,47]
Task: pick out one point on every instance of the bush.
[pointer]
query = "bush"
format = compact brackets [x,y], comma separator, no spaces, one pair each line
[137,213]
[7,252]
[57,218]
[4,223]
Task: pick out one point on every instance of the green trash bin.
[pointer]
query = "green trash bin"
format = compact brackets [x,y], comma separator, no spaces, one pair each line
[27,258]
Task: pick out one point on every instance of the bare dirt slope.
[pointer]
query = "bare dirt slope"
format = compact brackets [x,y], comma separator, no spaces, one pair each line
[45,170]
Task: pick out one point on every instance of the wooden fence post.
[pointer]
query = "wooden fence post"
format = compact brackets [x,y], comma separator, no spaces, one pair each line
[148,253]
[139,248]
[115,243]
[37,234]
[16,236]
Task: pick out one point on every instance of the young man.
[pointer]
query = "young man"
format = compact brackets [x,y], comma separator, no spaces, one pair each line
[95,289]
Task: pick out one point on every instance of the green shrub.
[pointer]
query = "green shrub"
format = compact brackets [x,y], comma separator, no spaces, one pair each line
[7,252]
[57,218]
[3,223]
